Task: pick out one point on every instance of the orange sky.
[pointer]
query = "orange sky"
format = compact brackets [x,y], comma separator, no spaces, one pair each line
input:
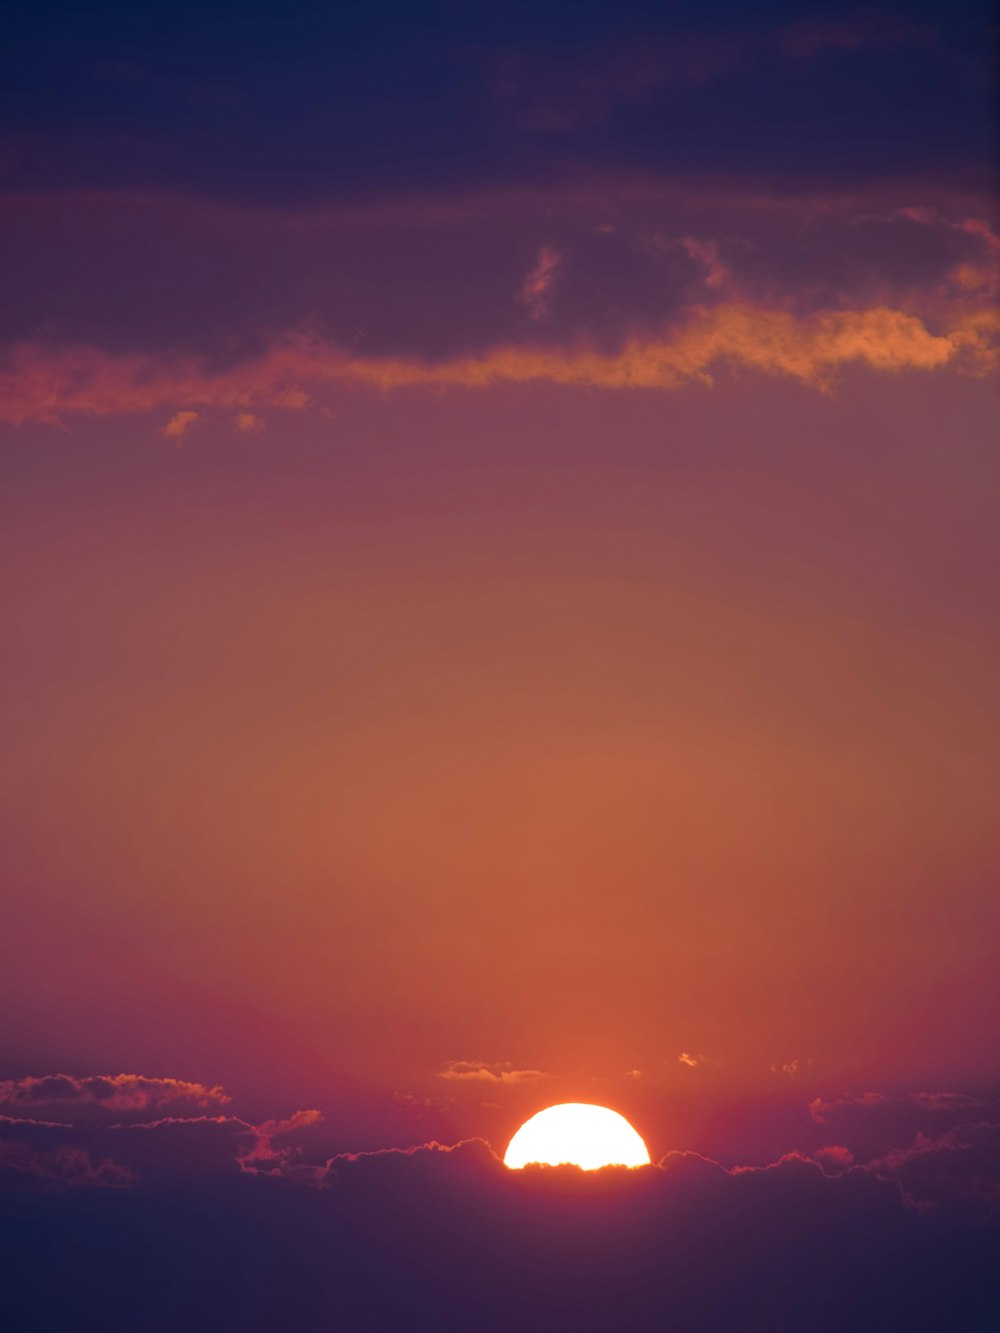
[498,569]
[373,742]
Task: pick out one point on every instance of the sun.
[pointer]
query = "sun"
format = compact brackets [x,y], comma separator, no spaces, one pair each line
[576,1134]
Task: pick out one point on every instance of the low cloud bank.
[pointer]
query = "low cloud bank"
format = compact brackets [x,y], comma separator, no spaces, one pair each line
[197,1219]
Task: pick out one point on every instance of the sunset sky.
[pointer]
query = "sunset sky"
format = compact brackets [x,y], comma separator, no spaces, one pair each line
[499,578]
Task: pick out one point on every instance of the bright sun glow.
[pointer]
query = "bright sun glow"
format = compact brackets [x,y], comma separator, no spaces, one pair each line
[578,1134]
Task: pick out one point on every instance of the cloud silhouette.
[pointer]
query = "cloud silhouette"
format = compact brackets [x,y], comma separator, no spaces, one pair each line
[442,1237]
[64,1167]
[208,1221]
[117,1094]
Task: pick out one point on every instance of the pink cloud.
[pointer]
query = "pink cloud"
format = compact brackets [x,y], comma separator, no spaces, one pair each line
[44,386]
[836,1156]
[707,254]
[536,290]
[265,1155]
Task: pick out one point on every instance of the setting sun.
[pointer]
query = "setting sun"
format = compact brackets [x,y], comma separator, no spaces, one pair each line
[577,1134]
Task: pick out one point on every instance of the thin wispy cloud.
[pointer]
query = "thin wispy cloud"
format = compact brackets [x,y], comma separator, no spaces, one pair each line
[478,1071]
[536,291]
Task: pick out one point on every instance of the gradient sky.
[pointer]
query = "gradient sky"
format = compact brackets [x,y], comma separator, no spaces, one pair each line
[499,547]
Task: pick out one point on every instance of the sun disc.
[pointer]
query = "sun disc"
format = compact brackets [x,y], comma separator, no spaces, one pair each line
[576,1134]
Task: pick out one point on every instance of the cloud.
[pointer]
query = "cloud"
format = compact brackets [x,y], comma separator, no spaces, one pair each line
[536,290]
[579,87]
[961,1166]
[212,1221]
[248,421]
[649,257]
[981,228]
[267,1153]
[978,276]
[417,1102]
[955,1103]
[476,101]
[695,1061]
[98,1130]
[821,1110]
[64,1167]
[178,424]
[421,1151]
[975,272]
[158,1153]
[90,1135]
[867,28]
[476,1071]
[556,93]
[946,1101]
[442,1237]
[834,1155]
[792,1068]
[116,1094]
[44,386]
[937,1149]
[707,254]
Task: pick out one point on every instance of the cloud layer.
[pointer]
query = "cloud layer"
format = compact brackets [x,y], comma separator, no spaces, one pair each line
[306,104]
[118,1129]
[39,386]
[619,287]
[207,1221]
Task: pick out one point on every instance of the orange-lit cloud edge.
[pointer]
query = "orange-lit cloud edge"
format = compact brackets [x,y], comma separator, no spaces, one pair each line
[42,385]
[46,1145]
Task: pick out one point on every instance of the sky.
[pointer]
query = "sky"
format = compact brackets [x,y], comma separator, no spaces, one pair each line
[498,509]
